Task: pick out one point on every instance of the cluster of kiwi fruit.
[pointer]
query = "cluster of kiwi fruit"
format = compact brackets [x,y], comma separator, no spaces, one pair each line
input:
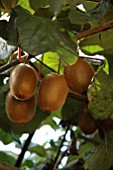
[21,100]
[79,76]
[54,88]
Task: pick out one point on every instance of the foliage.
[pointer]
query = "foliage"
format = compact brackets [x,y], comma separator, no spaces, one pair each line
[51,34]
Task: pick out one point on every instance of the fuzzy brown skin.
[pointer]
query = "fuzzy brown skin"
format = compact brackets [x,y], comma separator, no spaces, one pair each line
[20,111]
[79,75]
[86,123]
[23,81]
[52,92]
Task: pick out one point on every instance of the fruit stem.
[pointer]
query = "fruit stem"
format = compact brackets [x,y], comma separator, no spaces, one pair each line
[41,65]
[24,149]
[19,54]
[59,65]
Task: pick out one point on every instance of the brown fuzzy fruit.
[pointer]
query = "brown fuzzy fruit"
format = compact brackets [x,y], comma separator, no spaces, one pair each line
[79,75]
[106,125]
[52,92]
[23,81]
[86,123]
[20,111]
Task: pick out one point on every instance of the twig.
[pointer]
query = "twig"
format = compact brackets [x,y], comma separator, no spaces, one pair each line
[8,65]
[61,156]
[92,140]
[59,150]
[95,30]
[24,149]
[12,63]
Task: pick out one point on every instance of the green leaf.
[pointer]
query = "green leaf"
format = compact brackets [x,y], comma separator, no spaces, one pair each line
[51,59]
[69,57]
[98,43]
[88,5]
[39,35]
[103,156]
[25,4]
[99,10]
[4,157]
[28,163]
[85,149]
[35,4]
[71,110]
[55,6]
[6,138]
[100,94]
[78,17]
[39,150]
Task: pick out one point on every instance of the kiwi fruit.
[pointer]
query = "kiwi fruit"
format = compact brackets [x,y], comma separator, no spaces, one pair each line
[106,125]
[18,111]
[86,123]
[23,81]
[79,75]
[52,92]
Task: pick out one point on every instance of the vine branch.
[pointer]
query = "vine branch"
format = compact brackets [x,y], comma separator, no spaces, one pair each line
[24,149]
[95,30]
[59,150]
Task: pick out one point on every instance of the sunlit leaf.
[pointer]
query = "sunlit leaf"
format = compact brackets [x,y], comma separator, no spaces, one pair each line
[25,4]
[98,43]
[39,150]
